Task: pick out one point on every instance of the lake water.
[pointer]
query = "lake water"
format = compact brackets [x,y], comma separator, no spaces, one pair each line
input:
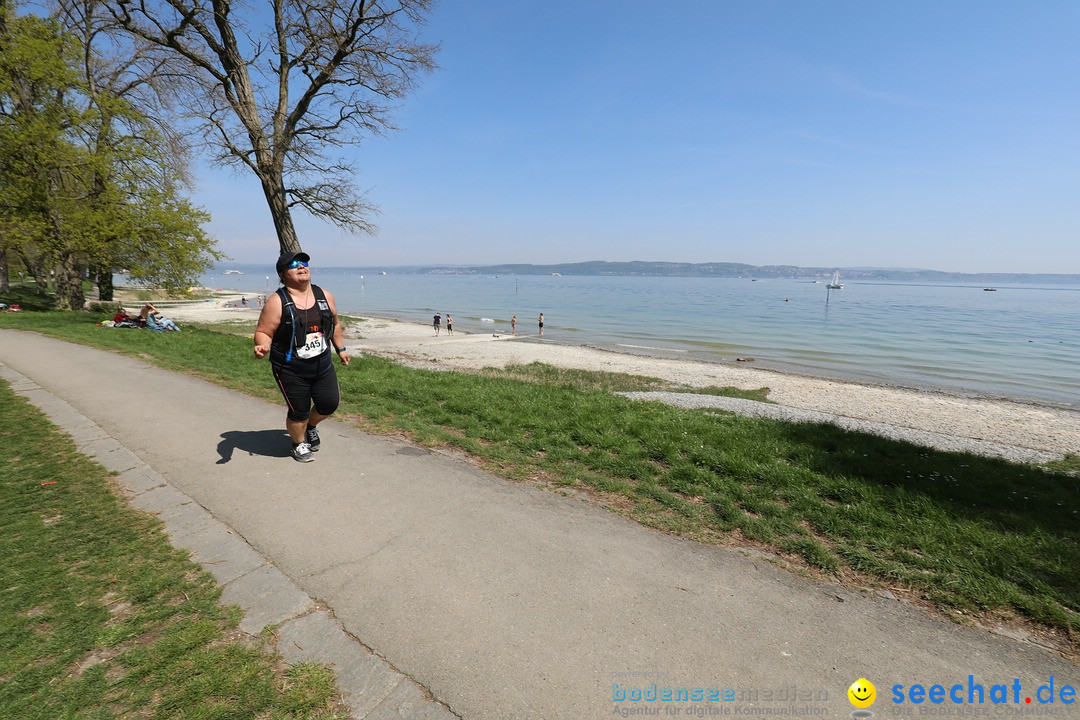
[1020,341]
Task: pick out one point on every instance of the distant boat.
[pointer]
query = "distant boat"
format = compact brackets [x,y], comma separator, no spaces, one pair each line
[989,289]
[556,274]
[383,272]
[233,272]
[835,284]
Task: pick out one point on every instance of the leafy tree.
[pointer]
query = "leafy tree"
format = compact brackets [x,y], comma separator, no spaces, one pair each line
[278,96]
[133,146]
[39,166]
[88,178]
[172,264]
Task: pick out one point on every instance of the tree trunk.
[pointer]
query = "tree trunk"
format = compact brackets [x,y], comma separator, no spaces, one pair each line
[274,189]
[60,285]
[104,277]
[77,295]
[36,270]
[69,292]
[102,272]
[5,285]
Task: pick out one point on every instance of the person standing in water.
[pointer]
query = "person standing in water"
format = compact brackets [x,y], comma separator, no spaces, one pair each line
[541,323]
[297,328]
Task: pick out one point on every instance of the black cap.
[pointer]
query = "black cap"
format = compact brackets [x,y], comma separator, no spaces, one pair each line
[287,258]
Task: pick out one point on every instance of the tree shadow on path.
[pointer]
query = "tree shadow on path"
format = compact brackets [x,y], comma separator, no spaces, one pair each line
[268,443]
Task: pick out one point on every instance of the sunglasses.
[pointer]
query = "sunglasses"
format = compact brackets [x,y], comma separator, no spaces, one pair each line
[297,264]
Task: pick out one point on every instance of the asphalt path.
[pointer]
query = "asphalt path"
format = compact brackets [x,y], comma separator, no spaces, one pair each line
[509,601]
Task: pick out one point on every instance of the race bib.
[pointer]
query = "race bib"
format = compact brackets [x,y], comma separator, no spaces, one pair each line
[314,346]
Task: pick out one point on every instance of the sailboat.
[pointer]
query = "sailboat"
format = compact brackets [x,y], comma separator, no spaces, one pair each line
[835,284]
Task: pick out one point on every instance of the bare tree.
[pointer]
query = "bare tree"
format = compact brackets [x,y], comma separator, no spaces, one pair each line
[279,92]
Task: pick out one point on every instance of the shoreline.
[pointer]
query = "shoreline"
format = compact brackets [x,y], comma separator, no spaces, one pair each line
[1023,424]
[861,374]
[783,370]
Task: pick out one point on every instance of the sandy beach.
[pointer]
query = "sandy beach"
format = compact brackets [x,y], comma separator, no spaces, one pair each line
[1034,427]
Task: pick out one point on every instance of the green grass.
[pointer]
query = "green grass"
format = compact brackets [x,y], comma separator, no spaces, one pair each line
[244,328]
[1069,463]
[101,618]
[967,533]
[611,382]
[25,296]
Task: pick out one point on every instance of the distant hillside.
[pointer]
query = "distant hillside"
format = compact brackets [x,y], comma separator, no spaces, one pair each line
[718,269]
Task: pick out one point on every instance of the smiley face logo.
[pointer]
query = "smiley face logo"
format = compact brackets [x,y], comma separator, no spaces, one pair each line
[862,693]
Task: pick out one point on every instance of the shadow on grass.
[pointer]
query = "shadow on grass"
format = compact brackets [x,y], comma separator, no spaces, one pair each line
[27,298]
[975,531]
[268,443]
[1010,496]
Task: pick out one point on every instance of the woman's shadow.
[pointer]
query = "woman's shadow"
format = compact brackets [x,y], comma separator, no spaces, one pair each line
[270,443]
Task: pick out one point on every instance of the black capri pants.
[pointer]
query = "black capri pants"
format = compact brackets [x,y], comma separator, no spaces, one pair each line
[304,384]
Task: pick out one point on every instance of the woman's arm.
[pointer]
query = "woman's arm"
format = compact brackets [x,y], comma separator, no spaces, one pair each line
[269,320]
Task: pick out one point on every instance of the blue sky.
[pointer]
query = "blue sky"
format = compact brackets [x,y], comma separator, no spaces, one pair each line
[940,135]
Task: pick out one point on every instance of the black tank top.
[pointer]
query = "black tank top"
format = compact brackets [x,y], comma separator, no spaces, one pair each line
[308,320]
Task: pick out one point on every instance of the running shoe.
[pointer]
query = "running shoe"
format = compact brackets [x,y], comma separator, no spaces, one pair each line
[302,453]
[312,437]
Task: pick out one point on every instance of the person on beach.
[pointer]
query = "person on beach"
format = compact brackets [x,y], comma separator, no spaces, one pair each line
[541,323]
[449,324]
[297,328]
[122,319]
[160,322]
[150,317]
[513,324]
[146,311]
[436,322]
